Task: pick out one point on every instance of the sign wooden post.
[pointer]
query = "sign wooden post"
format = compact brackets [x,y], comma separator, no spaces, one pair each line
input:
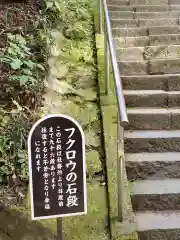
[57,171]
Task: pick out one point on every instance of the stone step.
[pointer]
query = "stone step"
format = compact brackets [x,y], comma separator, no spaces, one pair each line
[148,53]
[162,30]
[172,39]
[123,42]
[153,40]
[152,98]
[162,52]
[158,22]
[115,23]
[130,32]
[156,195]
[152,165]
[143,8]
[154,2]
[156,15]
[118,2]
[122,14]
[149,2]
[138,141]
[153,118]
[169,82]
[143,15]
[160,225]
[158,67]
[145,31]
[164,66]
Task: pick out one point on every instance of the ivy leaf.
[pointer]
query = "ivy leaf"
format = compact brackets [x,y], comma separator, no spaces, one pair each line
[29,64]
[27,71]
[16,64]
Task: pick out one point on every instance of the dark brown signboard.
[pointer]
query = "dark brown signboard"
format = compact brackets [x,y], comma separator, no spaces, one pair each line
[56,149]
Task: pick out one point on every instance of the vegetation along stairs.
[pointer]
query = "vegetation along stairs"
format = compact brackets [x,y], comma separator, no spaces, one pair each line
[147,38]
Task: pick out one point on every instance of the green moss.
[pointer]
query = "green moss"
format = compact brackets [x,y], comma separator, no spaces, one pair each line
[93,163]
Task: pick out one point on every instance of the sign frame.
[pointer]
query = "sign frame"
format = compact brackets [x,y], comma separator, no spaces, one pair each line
[30,168]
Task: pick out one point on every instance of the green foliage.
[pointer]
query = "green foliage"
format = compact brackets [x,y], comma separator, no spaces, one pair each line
[13,153]
[24,58]
[75,17]
[17,55]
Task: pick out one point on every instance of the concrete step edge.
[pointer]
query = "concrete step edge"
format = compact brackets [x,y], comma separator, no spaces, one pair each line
[151,76]
[146,61]
[150,111]
[153,157]
[156,187]
[162,35]
[145,92]
[151,134]
[145,28]
[148,47]
[145,19]
[153,220]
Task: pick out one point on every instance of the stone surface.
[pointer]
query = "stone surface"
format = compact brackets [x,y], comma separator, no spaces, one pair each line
[172,39]
[162,52]
[123,42]
[174,99]
[133,68]
[149,2]
[115,23]
[152,141]
[164,234]
[164,66]
[156,202]
[130,54]
[156,195]
[161,30]
[158,22]
[149,118]
[149,63]
[118,2]
[121,14]
[152,167]
[157,15]
[129,32]
[119,8]
[152,82]
[151,8]
[146,98]
[161,220]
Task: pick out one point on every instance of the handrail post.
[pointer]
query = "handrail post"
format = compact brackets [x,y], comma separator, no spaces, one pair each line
[100,16]
[120,169]
[106,59]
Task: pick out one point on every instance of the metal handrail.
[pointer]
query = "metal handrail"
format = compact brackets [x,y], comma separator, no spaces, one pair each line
[122,118]
[117,79]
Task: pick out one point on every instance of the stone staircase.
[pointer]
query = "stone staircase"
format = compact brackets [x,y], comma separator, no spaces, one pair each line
[147,38]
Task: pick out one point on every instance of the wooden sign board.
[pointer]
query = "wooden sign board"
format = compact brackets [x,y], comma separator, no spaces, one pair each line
[56,150]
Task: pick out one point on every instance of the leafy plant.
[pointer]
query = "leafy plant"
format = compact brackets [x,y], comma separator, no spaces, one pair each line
[19,58]
[13,147]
